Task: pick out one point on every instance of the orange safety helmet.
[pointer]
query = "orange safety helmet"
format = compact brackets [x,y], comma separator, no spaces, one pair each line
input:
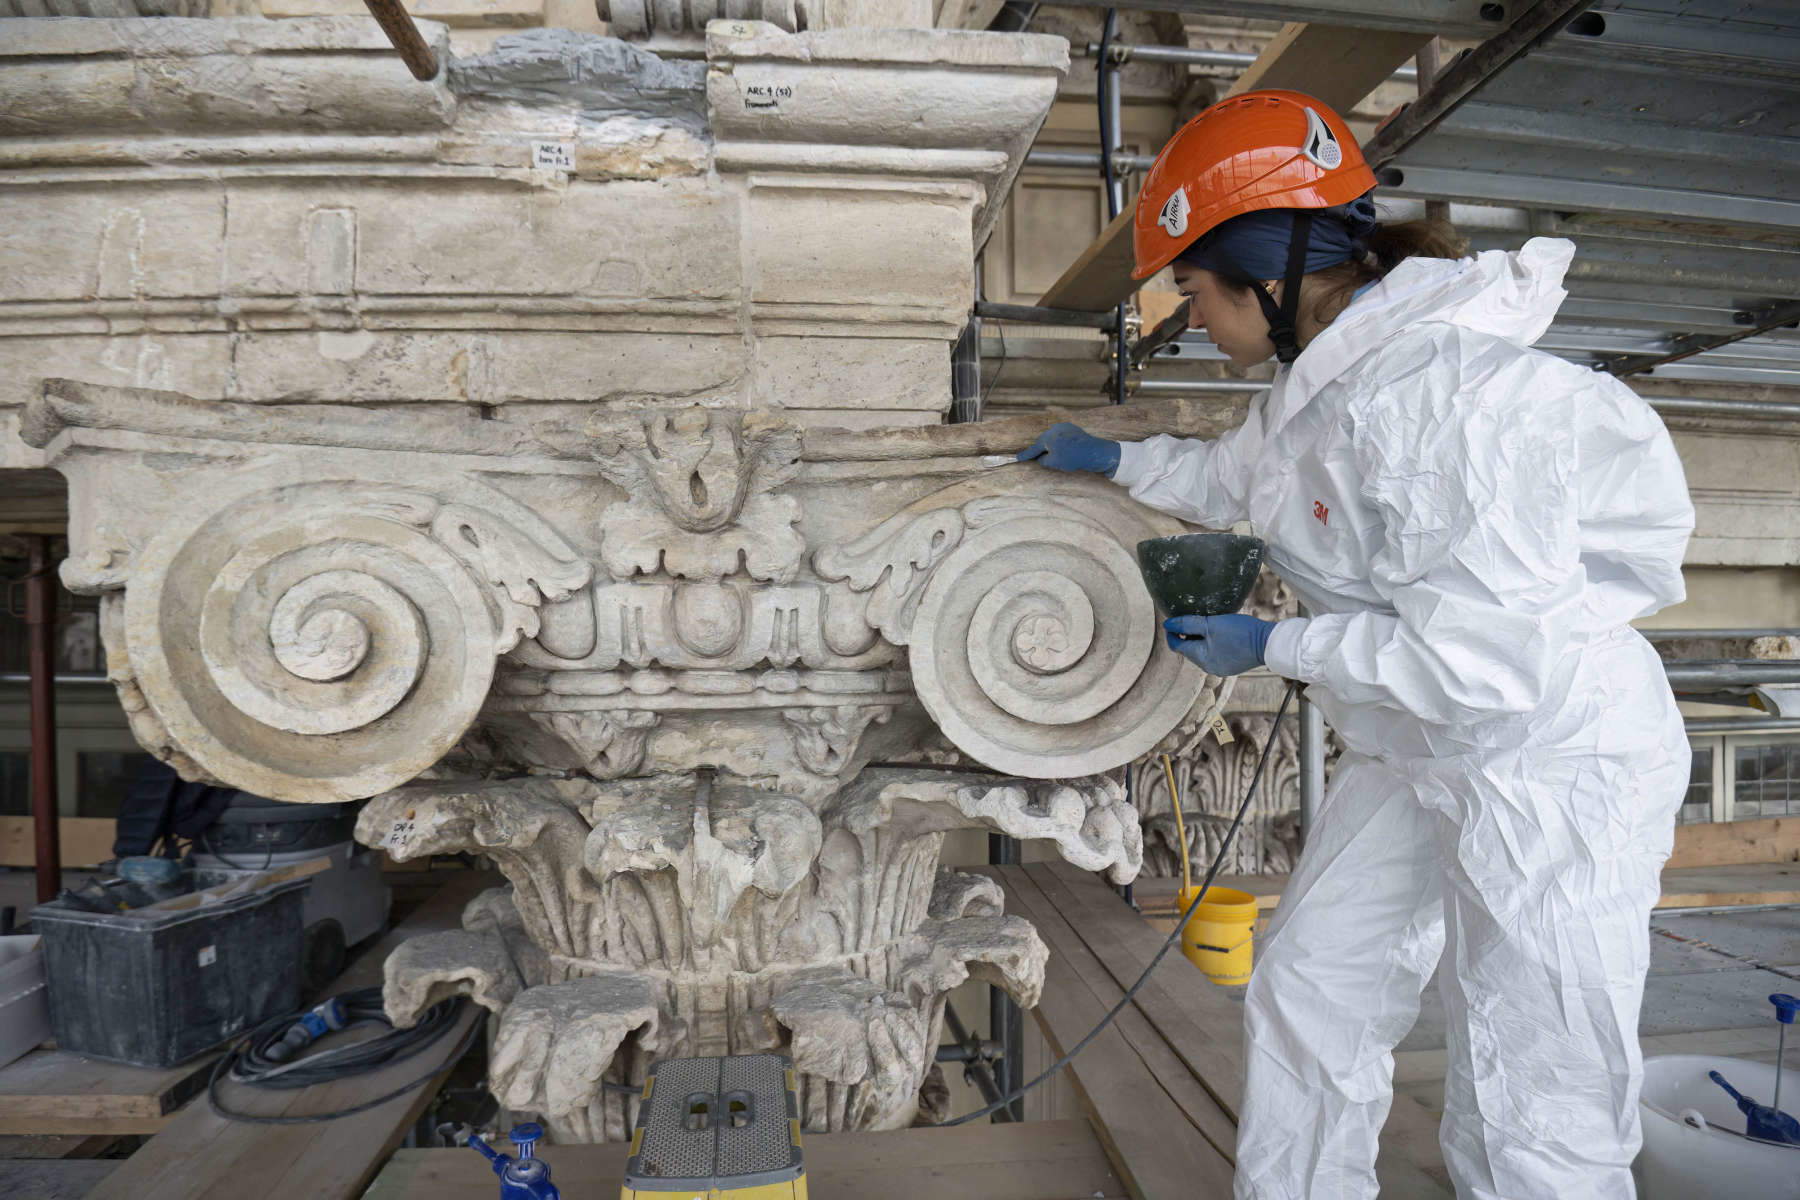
[1261,150]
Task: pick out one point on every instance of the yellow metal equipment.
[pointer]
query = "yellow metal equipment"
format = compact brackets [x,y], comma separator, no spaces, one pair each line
[717,1129]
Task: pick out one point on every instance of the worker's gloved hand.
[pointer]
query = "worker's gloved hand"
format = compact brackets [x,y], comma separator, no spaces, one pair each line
[1227,645]
[1068,447]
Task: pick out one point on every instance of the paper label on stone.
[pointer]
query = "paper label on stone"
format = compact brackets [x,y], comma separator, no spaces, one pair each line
[767,96]
[208,955]
[1221,730]
[553,156]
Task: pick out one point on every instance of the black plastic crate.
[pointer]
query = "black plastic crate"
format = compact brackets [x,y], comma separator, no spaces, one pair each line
[154,989]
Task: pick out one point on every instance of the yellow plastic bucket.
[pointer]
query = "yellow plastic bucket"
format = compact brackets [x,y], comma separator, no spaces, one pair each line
[1217,937]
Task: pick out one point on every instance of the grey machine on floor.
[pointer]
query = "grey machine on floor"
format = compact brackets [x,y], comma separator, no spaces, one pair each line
[345,905]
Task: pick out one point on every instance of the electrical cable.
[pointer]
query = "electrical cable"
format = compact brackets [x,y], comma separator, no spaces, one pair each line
[206,843]
[1174,935]
[1000,331]
[250,1063]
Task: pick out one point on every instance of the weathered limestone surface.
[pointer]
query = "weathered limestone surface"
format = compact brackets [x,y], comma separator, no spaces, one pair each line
[683,915]
[275,211]
[527,451]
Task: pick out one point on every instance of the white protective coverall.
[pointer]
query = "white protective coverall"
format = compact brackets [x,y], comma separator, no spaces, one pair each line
[1471,524]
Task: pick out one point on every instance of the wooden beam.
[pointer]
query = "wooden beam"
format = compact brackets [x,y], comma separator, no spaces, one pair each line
[1207,1020]
[1177,1000]
[967,14]
[1763,879]
[1337,64]
[1100,278]
[52,1179]
[1149,1132]
[85,841]
[1770,840]
[1214,1116]
[55,1092]
[1043,1160]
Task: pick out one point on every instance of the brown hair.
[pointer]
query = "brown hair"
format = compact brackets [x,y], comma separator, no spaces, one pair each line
[1386,248]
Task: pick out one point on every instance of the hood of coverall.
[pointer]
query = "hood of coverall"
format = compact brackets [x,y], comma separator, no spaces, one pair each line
[1511,294]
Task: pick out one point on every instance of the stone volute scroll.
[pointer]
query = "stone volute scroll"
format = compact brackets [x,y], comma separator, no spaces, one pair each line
[333,639]
[1030,637]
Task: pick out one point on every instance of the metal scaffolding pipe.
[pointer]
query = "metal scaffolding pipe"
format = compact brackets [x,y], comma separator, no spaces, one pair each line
[1237,60]
[974,1068]
[40,628]
[1006,1022]
[1704,725]
[1086,160]
[1676,635]
[1190,387]
[1032,314]
[1109,95]
[1761,410]
[1721,908]
[1723,673]
[957,1052]
[1466,75]
[1748,409]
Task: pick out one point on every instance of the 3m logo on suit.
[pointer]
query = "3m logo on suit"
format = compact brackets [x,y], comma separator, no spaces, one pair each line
[1321,512]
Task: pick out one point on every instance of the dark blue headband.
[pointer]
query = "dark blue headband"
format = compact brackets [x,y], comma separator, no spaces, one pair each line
[1256,244]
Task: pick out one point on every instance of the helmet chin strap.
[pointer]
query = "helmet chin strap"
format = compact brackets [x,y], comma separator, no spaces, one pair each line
[1283,317]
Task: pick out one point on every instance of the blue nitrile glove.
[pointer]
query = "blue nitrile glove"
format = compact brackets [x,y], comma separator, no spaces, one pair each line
[1227,645]
[1068,447]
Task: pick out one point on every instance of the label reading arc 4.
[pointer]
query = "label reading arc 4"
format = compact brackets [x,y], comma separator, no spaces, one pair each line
[767,97]
[553,156]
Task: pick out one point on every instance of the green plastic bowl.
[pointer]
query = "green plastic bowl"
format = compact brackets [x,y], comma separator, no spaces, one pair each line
[1200,574]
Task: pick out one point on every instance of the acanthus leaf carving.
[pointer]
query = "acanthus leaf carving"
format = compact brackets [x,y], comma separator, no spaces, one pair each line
[1212,779]
[423,970]
[825,739]
[555,1042]
[701,483]
[611,742]
[528,572]
[892,561]
[715,843]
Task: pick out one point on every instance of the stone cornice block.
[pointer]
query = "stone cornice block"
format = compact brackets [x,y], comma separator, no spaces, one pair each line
[936,103]
[66,406]
[157,77]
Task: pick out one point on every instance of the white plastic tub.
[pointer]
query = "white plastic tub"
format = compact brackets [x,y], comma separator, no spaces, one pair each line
[24,1001]
[1688,1155]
